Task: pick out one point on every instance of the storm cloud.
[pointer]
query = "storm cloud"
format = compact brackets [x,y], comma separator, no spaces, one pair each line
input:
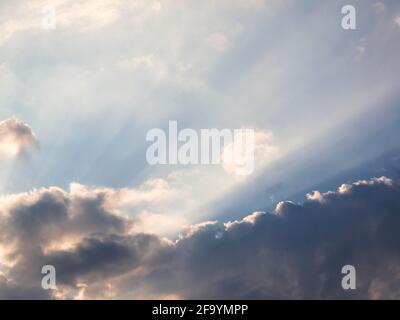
[295,252]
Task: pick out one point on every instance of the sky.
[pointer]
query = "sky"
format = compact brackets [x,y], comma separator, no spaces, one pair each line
[78,98]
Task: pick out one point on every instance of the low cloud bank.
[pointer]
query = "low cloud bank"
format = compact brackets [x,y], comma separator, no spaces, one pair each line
[295,252]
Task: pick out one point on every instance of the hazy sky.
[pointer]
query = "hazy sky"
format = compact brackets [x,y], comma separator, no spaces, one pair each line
[77,101]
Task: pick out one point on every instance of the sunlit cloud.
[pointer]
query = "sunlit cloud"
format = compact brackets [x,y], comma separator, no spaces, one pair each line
[15,138]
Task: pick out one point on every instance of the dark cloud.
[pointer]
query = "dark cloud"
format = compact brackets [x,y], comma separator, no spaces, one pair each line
[12,291]
[101,257]
[296,252]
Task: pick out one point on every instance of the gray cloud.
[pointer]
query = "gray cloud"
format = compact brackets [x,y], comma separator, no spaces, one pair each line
[8,291]
[298,251]
[295,252]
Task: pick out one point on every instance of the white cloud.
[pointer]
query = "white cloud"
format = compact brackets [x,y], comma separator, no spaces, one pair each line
[87,16]
[218,41]
[15,138]
[150,62]
[265,152]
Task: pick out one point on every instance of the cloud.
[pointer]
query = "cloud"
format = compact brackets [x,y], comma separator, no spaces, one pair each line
[83,17]
[15,138]
[397,21]
[264,151]
[93,73]
[379,6]
[150,62]
[218,41]
[297,251]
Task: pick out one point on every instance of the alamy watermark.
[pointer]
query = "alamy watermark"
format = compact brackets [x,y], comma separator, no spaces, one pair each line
[349,19]
[207,147]
[349,280]
[49,279]
[49,20]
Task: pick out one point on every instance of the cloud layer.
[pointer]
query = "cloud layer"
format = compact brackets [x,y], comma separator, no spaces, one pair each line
[295,252]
